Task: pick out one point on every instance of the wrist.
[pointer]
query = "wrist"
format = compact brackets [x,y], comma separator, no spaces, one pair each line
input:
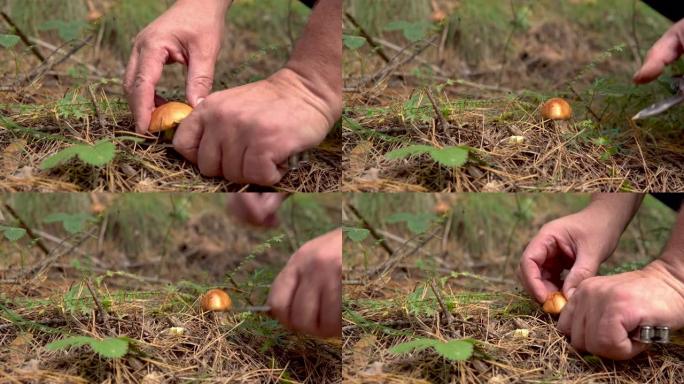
[614,210]
[220,6]
[670,271]
[315,93]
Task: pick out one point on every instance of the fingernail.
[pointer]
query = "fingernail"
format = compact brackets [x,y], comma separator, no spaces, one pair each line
[199,101]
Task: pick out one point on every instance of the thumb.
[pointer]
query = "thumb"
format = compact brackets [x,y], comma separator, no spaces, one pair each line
[200,78]
[188,136]
[584,268]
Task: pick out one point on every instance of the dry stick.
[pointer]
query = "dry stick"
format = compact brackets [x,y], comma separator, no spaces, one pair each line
[447,229]
[45,264]
[391,67]
[23,37]
[390,264]
[399,49]
[49,64]
[104,316]
[100,117]
[74,58]
[440,117]
[371,41]
[438,296]
[371,229]
[28,230]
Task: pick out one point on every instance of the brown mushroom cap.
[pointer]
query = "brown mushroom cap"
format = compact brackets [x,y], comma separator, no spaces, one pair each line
[168,116]
[554,303]
[216,300]
[556,109]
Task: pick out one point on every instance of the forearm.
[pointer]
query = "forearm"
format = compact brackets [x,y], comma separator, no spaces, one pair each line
[673,253]
[616,210]
[317,56]
[220,6]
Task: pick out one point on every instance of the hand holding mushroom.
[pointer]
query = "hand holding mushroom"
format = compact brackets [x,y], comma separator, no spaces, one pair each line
[578,243]
[247,134]
[663,53]
[185,34]
[605,311]
[307,294]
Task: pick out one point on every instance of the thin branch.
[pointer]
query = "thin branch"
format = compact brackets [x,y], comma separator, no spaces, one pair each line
[35,239]
[381,240]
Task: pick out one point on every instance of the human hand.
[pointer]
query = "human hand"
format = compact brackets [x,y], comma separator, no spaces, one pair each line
[604,311]
[246,134]
[664,52]
[579,243]
[258,209]
[307,294]
[187,34]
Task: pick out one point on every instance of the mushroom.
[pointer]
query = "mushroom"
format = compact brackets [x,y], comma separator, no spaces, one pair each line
[442,207]
[216,300]
[554,303]
[167,116]
[557,110]
[438,15]
[93,13]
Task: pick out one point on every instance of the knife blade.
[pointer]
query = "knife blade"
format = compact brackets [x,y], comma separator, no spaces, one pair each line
[252,309]
[677,84]
[660,107]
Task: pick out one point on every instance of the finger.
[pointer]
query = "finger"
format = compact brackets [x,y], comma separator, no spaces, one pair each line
[664,52]
[566,318]
[578,333]
[209,156]
[270,203]
[200,78]
[129,75]
[305,307]
[584,268]
[261,169]
[147,75]
[331,309]
[535,255]
[233,157]
[188,136]
[281,295]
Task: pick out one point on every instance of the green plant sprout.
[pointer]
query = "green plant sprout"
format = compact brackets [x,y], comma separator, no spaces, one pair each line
[450,157]
[97,155]
[356,235]
[72,223]
[417,223]
[12,233]
[9,41]
[110,347]
[412,31]
[67,30]
[353,42]
[454,350]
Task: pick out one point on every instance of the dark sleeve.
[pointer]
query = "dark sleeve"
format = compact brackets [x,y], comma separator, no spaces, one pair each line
[673,10]
[309,3]
[672,200]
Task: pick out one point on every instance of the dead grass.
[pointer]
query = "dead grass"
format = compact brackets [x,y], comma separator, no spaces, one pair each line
[552,157]
[30,137]
[501,356]
[471,255]
[224,348]
[488,94]
[144,295]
